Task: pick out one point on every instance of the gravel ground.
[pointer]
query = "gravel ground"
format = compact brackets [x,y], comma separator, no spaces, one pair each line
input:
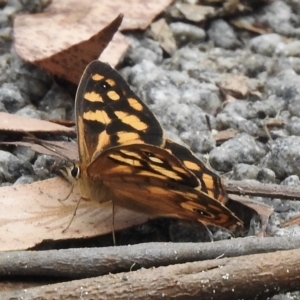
[182,90]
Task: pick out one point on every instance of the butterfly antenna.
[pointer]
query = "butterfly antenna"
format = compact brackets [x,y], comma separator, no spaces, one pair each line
[47,145]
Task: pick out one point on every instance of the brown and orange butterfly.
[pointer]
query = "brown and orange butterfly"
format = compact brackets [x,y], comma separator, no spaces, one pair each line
[124,156]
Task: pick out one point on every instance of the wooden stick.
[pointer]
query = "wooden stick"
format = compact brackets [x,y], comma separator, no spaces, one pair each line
[88,262]
[228,278]
[251,188]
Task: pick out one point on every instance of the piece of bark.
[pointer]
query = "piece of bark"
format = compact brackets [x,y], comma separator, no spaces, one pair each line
[161,32]
[194,13]
[90,262]
[245,277]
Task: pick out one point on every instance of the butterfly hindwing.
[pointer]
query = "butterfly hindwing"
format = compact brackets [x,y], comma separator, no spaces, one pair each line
[109,113]
[210,182]
[148,178]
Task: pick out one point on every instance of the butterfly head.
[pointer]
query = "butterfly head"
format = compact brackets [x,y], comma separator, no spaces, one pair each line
[70,171]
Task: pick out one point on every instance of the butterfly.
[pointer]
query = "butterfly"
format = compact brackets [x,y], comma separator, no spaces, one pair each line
[125,157]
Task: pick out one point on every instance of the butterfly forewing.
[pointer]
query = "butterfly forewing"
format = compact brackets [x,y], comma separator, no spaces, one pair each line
[125,158]
[110,114]
[141,160]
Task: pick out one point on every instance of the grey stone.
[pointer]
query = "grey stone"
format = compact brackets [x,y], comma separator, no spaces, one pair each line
[142,73]
[57,104]
[186,33]
[204,95]
[35,6]
[292,180]
[12,167]
[223,35]
[241,149]
[278,16]
[42,166]
[287,296]
[25,179]
[24,153]
[266,175]
[3,18]
[286,86]
[6,34]
[10,10]
[174,92]
[243,171]
[292,230]
[5,66]
[15,4]
[30,111]
[294,63]
[32,81]
[284,157]
[11,98]
[267,44]
[145,49]
[293,49]
[255,64]
[227,120]
[293,126]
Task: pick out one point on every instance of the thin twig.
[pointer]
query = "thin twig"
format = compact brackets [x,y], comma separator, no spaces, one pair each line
[251,188]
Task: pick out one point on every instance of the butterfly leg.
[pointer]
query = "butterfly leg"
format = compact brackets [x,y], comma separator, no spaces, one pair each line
[113,224]
[73,216]
[70,192]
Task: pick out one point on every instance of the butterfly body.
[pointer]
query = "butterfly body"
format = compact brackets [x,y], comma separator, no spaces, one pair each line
[125,158]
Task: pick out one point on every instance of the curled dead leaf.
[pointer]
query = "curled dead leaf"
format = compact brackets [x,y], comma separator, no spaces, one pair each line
[31,214]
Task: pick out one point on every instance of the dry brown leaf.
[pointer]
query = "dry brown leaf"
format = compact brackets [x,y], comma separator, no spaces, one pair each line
[224,135]
[161,32]
[263,210]
[47,38]
[293,221]
[32,213]
[236,85]
[257,28]
[231,7]
[70,51]
[15,123]
[274,122]
[240,86]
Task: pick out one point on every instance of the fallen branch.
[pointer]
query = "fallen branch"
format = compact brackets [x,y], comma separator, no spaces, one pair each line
[245,277]
[89,262]
[251,188]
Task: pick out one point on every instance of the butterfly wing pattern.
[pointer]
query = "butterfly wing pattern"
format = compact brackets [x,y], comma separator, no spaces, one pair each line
[124,156]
